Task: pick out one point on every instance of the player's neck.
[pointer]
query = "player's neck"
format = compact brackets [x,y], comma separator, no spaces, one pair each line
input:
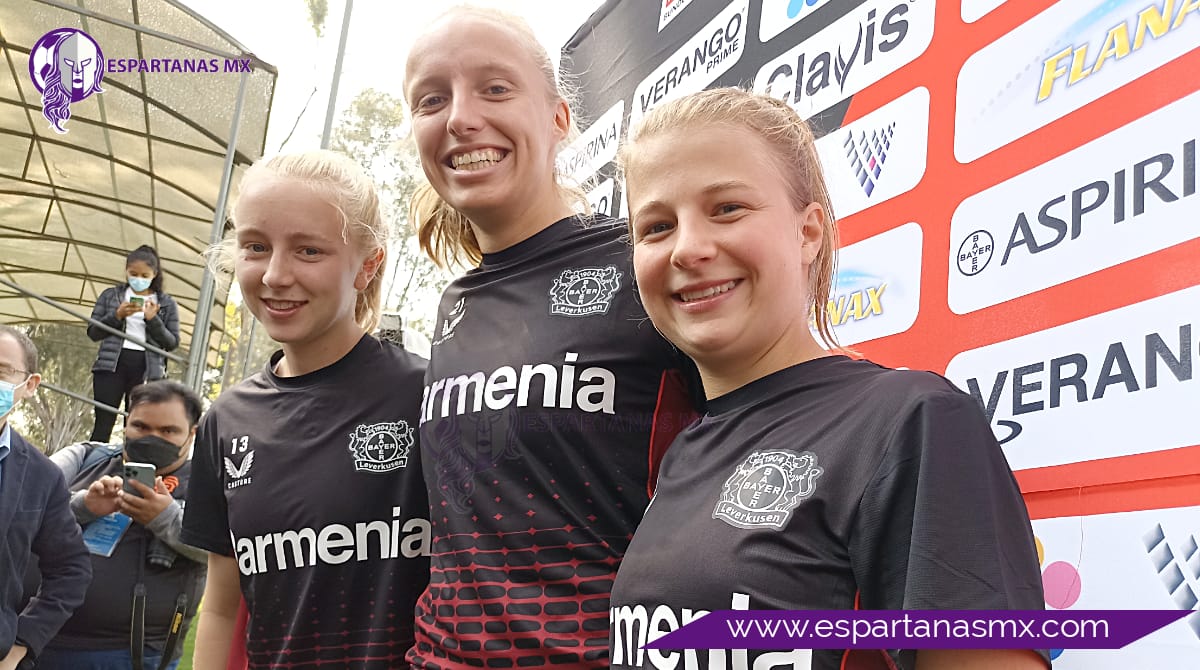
[301,358]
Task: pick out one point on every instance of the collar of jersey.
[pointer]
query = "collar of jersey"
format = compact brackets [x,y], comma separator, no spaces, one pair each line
[339,368]
[774,384]
[559,230]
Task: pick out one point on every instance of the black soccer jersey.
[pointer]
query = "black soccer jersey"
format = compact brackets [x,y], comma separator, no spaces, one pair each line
[313,484]
[831,485]
[547,393]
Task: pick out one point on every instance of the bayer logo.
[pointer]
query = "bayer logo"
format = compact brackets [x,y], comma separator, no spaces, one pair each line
[762,488]
[975,253]
[583,291]
[382,447]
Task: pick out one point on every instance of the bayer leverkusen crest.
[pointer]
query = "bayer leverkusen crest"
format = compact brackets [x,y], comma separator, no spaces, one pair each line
[584,291]
[381,447]
[766,487]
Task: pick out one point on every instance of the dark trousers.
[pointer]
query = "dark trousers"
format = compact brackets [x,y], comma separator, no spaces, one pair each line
[111,388]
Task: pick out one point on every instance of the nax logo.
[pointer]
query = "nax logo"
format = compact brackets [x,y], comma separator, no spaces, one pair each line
[877,289]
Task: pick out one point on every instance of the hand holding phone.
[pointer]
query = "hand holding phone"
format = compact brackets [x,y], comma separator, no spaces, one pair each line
[142,472]
[138,300]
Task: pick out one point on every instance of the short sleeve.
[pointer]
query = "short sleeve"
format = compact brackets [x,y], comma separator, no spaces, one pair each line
[942,524]
[206,515]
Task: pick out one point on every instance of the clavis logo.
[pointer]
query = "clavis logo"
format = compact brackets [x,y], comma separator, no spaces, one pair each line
[1118,44]
[66,66]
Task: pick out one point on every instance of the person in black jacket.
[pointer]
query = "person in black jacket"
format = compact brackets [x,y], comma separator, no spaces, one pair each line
[144,311]
[36,524]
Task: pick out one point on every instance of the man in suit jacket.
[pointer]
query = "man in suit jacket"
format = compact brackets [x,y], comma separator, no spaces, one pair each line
[35,518]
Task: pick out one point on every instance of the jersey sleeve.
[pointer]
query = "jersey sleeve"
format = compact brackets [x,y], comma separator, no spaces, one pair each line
[206,515]
[941,524]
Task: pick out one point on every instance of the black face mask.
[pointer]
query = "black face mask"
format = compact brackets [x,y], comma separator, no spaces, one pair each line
[151,449]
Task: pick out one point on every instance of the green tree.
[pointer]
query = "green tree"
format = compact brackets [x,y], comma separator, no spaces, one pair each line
[375,132]
[50,419]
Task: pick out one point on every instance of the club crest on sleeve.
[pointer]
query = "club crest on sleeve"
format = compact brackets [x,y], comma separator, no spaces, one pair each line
[584,291]
[381,447]
[766,487]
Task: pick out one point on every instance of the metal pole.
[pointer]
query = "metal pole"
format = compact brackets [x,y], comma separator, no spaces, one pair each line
[76,396]
[337,75]
[199,349]
[103,326]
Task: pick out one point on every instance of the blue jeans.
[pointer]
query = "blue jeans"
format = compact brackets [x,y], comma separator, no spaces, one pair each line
[99,659]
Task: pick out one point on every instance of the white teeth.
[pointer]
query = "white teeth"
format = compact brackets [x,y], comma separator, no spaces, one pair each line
[689,296]
[282,304]
[477,159]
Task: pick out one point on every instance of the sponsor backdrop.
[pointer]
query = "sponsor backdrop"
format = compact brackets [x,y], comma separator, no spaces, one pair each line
[1016,184]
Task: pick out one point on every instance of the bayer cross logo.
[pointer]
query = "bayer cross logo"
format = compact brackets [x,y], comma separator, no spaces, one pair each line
[584,291]
[766,487]
[867,155]
[66,66]
[381,447]
[975,252]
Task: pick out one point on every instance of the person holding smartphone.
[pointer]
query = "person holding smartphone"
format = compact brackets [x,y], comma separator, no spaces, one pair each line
[132,529]
[144,311]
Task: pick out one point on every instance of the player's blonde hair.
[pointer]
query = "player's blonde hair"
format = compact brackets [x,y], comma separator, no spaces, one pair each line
[445,234]
[793,150]
[342,183]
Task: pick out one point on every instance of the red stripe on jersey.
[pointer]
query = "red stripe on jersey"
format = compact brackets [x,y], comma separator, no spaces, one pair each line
[862,659]
[672,413]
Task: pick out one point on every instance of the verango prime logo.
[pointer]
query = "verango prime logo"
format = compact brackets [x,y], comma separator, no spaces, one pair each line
[1114,384]
[1117,198]
[705,56]
[1060,60]
[879,156]
[859,49]
[779,15]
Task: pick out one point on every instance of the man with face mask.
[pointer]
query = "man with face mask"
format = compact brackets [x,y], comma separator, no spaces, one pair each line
[146,579]
[36,525]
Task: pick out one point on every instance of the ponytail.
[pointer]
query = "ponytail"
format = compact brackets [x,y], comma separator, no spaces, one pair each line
[445,233]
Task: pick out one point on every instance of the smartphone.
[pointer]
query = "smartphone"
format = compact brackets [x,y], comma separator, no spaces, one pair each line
[138,300]
[143,472]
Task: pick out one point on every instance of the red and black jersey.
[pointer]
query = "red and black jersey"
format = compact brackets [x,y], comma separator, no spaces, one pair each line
[834,484]
[548,400]
[313,484]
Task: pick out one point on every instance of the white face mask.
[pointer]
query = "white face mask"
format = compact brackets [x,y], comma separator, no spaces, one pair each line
[139,284]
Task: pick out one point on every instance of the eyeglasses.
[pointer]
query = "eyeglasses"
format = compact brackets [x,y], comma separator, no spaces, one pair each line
[11,373]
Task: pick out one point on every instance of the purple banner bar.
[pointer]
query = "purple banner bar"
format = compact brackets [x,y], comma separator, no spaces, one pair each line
[917,629]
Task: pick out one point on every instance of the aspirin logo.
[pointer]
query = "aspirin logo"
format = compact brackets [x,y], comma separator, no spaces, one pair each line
[975,252]
[66,66]
[766,487]
[381,447]
[584,291]
[867,155]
